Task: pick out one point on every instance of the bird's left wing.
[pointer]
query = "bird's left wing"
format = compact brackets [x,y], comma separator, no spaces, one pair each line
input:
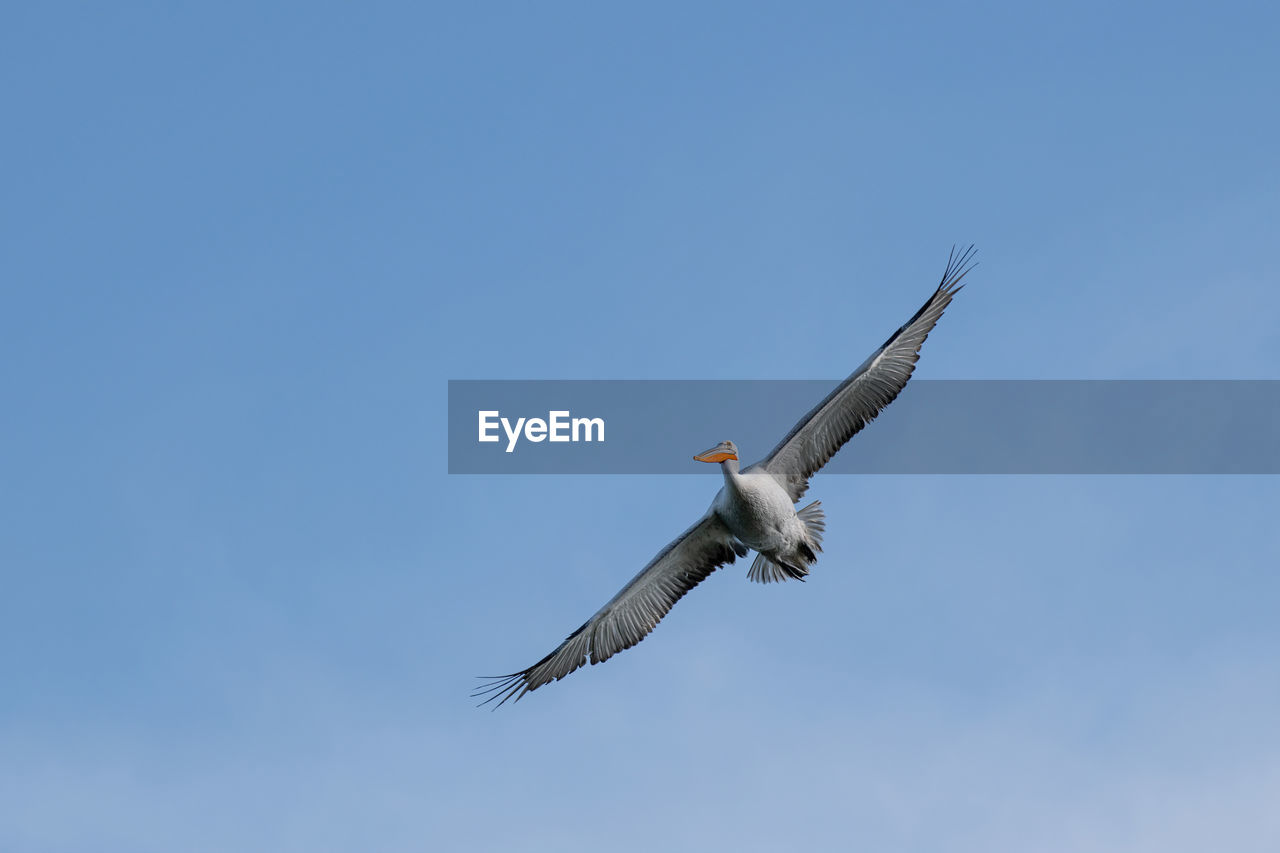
[856,401]
[632,613]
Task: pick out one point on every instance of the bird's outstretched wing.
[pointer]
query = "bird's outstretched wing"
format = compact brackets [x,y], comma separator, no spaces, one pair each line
[632,613]
[856,401]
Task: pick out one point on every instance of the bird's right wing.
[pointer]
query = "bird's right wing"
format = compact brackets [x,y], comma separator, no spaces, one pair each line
[632,613]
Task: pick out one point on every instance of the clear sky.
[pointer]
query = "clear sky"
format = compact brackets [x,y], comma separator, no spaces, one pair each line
[244,246]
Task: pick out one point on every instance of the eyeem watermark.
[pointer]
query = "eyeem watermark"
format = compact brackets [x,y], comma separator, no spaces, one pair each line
[934,427]
[559,426]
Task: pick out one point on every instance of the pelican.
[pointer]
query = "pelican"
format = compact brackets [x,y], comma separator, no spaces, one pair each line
[755,510]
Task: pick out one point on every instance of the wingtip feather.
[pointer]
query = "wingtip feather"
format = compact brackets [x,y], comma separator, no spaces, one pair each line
[504,686]
[958,266]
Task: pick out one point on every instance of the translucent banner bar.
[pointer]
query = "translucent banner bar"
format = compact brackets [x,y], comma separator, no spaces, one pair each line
[934,427]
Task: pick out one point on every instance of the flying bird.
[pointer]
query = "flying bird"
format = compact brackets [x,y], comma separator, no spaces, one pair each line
[755,510]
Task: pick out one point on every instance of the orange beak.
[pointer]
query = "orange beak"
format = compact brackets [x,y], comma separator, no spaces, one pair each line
[719,453]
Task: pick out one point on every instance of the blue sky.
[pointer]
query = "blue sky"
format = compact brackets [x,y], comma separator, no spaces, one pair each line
[244,248]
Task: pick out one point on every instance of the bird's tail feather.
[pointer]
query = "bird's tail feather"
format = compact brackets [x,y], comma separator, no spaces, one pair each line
[816,520]
[764,570]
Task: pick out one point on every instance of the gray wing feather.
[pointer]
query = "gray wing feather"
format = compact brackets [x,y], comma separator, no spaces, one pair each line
[856,401]
[632,613]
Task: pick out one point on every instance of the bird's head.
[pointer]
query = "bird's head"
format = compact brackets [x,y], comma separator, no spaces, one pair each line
[722,452]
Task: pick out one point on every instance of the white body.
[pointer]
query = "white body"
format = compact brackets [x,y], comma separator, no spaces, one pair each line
[759,512]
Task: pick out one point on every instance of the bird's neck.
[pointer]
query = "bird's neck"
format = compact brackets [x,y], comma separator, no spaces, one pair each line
[729,468]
